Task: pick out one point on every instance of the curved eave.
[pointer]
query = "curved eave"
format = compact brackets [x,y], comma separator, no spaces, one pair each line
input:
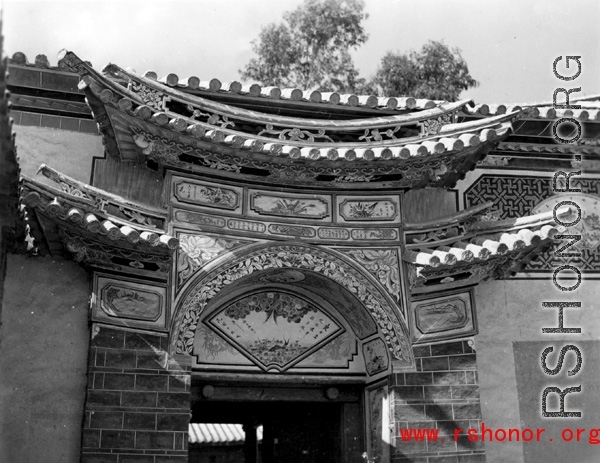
[439,161]
[195,86]
[278,120]
[85,217]
[143,214]
[154,91]
[486,249]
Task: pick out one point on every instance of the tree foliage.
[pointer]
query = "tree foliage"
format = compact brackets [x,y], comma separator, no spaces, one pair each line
[436,72]
[310,49]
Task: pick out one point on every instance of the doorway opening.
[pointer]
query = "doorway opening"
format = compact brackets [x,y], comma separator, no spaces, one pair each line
[280,423]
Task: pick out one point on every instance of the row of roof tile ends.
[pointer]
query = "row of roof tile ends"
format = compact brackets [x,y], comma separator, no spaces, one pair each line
[590,110]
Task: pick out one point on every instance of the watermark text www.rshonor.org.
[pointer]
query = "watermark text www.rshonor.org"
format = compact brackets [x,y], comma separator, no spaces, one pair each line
[591,436]
[561,184]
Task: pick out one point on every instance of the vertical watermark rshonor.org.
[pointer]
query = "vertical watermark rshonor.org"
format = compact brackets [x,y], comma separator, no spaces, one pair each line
[561,184]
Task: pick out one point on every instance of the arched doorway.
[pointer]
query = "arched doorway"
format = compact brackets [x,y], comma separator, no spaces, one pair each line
[287,338]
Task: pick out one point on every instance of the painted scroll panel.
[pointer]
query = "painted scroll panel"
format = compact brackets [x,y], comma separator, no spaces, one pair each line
[371,209]
[443,318]
[125,302]
[301,207]
[205,194]
[275,330]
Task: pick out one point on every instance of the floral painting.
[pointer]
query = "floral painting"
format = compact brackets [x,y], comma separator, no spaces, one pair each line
[198,250]
[274,329]
[312,208]
[383,264]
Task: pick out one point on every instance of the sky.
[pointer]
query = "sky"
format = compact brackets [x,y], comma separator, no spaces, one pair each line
[509,45]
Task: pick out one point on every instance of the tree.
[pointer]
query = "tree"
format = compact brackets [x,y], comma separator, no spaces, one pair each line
[310,49]
[436,72]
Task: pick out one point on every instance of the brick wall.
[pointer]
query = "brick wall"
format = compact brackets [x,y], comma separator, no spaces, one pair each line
[443,393]
[137,408]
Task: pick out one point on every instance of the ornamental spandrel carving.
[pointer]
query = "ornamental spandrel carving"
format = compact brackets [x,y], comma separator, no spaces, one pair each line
[383,264]
[196,251]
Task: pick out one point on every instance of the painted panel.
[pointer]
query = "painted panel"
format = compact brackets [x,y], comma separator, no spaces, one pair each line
[375,209]
[293,230]
[382,234]
[198,219]
[315,207]
[274,329]
[443,318]
[333,233]
[206,194]
[124,302]
[376,356]
[246,225]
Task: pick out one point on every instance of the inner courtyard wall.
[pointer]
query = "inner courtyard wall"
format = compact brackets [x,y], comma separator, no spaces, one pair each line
[511,379]
[44,339]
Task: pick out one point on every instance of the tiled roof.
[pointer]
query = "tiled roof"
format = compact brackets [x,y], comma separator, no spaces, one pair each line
[219,433]
[588,111]
[475,246]
[151,119]
[194,84]
[91,215]
[294,94]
